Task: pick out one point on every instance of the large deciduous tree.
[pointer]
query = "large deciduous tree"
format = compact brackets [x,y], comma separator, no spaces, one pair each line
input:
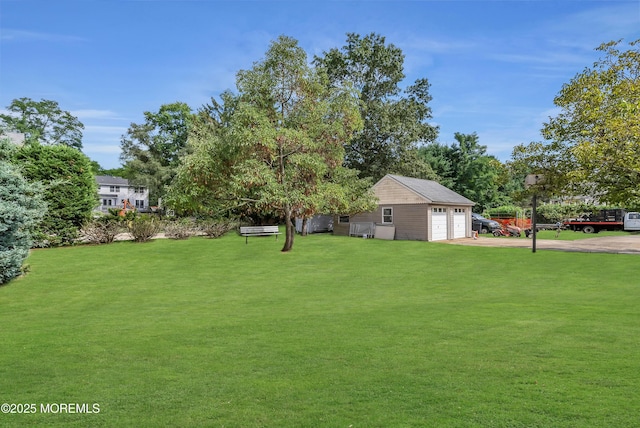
[201,185]
[21,209]
[395,120]
[283,149]
[593,145]
[43,121]
[151,150]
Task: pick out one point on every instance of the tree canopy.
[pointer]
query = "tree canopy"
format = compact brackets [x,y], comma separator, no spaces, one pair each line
[151,151]
[395,119]
[466,168]
[283,149]
[43,121]
[593,145]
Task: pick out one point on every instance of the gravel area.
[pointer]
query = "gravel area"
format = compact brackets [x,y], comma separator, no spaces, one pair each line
[607,244]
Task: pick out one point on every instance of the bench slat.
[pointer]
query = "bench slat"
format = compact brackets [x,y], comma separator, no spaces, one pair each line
[247,231]
[259,229]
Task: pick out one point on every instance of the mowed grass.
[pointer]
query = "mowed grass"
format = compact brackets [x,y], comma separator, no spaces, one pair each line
[570,235]
[340,332]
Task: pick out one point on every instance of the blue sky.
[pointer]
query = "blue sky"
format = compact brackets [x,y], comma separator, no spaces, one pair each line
[494,66]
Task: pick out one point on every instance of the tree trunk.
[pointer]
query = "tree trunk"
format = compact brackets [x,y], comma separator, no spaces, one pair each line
[304,226]
[290,230]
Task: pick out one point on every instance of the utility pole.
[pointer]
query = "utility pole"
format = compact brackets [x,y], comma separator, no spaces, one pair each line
[534,223]
[534,180]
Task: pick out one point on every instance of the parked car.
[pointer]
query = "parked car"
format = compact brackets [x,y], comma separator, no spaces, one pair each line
[484,225]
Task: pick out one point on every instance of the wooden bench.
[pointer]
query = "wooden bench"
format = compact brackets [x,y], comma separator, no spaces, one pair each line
[248,231]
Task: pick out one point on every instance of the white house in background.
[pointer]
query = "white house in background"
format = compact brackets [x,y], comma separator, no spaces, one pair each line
[114,191]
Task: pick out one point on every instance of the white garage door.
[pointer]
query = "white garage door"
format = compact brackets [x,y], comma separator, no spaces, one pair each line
[438,224]
[459,223]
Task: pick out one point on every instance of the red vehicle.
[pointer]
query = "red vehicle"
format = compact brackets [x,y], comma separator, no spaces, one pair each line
[604,220]
[509,230]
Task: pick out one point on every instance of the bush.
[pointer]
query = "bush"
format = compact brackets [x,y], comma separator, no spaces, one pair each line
[45,240]
[552,213]
[179,229]
[215,228]
[143,228]
[102,230]
[505,211]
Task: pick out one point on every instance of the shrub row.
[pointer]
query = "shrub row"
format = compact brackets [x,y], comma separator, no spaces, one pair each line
[104,229]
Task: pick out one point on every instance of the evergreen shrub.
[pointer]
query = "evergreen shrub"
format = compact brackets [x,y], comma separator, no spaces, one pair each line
[21,209]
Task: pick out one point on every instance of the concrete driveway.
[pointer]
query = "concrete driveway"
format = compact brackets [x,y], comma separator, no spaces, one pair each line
[607,244]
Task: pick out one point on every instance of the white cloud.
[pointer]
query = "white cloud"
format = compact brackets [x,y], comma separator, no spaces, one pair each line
[542,57]
[96,114]
[433,45]
[105,130]
[610,22]
[12,35]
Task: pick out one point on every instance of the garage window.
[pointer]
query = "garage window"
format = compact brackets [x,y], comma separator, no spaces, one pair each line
[343,219]
[439,210]
[387,215]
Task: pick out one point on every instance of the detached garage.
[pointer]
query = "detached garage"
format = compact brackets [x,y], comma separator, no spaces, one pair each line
[416,209]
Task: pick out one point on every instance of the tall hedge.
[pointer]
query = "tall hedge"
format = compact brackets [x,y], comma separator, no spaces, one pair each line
[70,189]
[505,211]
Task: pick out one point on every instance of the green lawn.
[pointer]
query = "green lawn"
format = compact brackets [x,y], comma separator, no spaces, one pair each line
[570,235]
[341,332]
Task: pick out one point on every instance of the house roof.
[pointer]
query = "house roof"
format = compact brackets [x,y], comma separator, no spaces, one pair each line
[432,191]
[110,180]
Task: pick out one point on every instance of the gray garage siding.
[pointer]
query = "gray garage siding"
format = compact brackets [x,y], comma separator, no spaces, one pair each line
[410,221]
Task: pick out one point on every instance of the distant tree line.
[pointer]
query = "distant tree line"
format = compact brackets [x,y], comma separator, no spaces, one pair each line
[395,135]
[308,135]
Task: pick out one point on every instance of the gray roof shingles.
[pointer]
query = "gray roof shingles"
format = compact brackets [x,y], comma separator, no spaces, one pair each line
[109,180]
[432,190]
